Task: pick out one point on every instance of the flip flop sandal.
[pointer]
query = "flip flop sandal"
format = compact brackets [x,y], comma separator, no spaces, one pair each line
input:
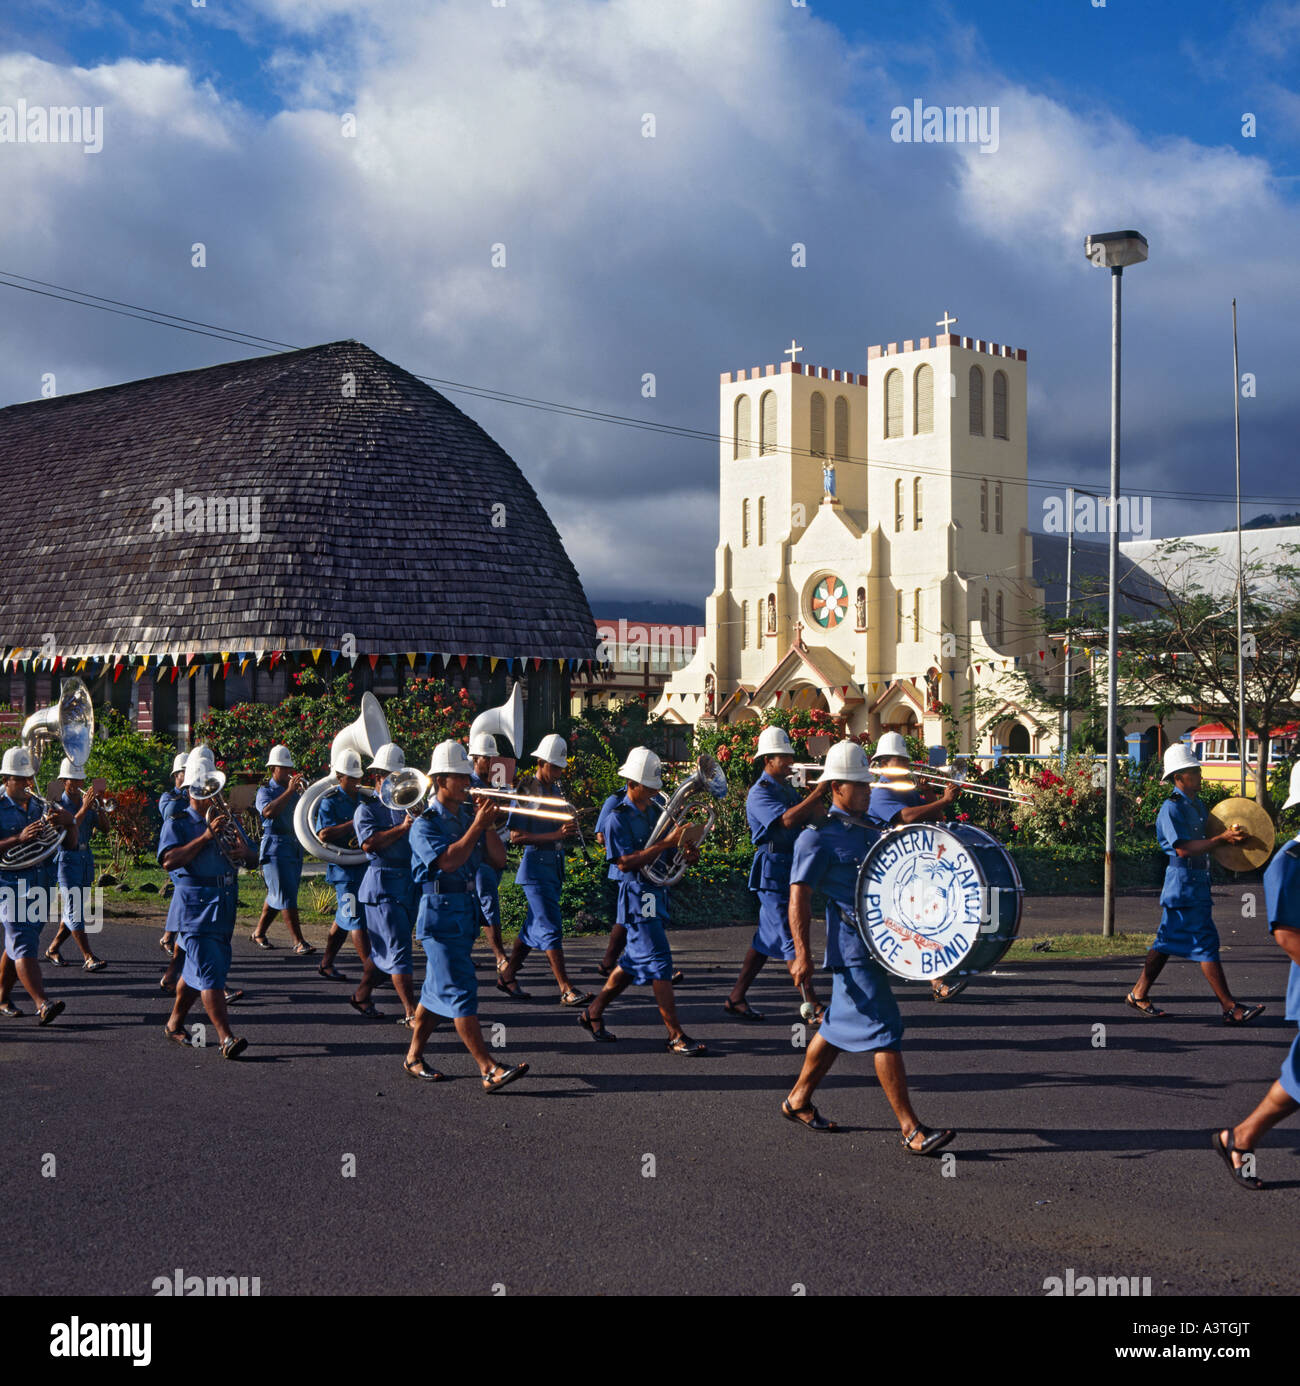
[232,1048]
[818,1122]
[366,1008]
[332,974]
[686,1047]
[515,990]
[259,941]
[51,1011]
[233,996]
[302,949]
[1230,1017]
[819,1016]
[1239,1177]
[10,1011]
[1143,1007]
[677,977]
[597,1032]
[576,998]
[950,989]
[429,1075]
[507,1075]
[94,965]
[407,1020]
[177,1037]
[55,959]
[748,1014]
[930,1140]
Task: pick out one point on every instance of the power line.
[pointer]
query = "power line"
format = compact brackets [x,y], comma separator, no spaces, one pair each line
[196,327]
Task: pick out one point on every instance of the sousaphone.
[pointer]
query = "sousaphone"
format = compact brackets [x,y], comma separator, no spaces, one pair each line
[364,736]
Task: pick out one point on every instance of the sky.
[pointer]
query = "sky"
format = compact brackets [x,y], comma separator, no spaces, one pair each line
[477,124]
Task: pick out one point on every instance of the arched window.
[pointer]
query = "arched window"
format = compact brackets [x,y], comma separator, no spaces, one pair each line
[767,424]
[894,404]
[817,424]
[976,402]
[744,429]
[916,614]
[762,518]
[984,608]
[997,507]
[1018,740]
[744,625]
[1000,405]
[744,523]
[916,502]
[841,429]
[923,400]
[1000,627]
[898,505]
[984,506]
[898,614]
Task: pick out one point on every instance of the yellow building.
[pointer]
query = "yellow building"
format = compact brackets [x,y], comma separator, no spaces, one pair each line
[874,556]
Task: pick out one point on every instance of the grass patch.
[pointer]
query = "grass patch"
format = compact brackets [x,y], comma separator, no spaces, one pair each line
[1081,946]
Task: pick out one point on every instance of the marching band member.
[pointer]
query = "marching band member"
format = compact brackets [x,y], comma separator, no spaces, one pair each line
[173,800]
[617,933]
[333,817]
[25,894]
[643,908]
[279,851]
[776,815]
[481,750]
[387,891]
[863,1015]
[1282,901]
[448,841]
[1186,922]
[76,867]
[541,874]
[208,890]
[893,806]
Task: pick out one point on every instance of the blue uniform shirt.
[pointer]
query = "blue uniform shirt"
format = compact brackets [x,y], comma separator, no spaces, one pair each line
[332,808]
[84,828]
[12,821]
[1282,904]
[538,864]
[886,804]
[765,805]
[278,837]
[388,871]
[1187,879]
[206,886]
[436,829]
[173,800]
[602,828]
[827,857]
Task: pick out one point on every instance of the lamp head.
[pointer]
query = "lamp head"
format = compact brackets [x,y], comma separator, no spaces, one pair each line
[1116,249]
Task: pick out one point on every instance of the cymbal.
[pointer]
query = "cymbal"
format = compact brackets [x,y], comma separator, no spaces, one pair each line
[1252,853]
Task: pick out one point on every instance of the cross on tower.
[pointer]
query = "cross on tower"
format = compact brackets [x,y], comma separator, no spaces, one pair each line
[792,351]
[946,321]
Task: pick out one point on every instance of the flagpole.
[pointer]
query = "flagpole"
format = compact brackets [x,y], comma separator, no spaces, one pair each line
[1241,577]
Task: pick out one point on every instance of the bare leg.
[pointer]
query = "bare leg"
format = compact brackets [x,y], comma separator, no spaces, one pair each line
[79,938]
[816,1065]
[517,955]
[333,942]
[614,948]
[555,956]
[292,919]
[60,938]
[405,990]
[1277,1105]
[370,976]
[1219,983]
[1151,969]
[667,1003]
[893,1078]
[214,1002]
[29,974]
[264,921]
[749,969]
[615,984]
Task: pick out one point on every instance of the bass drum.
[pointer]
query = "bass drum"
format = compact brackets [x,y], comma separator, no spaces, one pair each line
[938,900]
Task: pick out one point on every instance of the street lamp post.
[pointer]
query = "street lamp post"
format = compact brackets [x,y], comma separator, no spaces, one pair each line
[1113,250]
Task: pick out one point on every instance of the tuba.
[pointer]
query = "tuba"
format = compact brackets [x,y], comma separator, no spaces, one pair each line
[72,721]
[365,736]
[706,780]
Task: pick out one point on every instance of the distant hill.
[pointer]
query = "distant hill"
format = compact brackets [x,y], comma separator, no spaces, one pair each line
[1268,522]
[650,612]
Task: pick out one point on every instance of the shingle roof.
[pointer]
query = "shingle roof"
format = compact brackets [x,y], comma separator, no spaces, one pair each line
[374,496]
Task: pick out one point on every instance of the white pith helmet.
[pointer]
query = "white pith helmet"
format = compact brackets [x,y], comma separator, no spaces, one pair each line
[68,771]
[1179,757]
[483,744]
[891,744]
[553,750]
[773,741]
[642,766]
[198,763]
[178,762]
[389,757]
[1294,798]
[18,761]
[280,755]
[846,760]
[449,758]
[347,763]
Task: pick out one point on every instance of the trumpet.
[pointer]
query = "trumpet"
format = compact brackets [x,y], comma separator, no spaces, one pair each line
[899,777]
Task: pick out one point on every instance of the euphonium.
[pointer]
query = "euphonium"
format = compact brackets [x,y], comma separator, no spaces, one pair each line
[708,779]
[228,839]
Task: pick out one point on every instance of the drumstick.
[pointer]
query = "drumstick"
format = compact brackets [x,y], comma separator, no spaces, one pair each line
[807,1011]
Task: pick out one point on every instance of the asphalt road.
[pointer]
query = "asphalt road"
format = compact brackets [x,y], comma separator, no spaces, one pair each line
[1070,1155]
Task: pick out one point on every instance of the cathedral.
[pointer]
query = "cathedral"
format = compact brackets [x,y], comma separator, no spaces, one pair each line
[874,557]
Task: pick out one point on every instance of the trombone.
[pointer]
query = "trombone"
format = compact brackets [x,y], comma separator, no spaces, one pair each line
[900,777]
